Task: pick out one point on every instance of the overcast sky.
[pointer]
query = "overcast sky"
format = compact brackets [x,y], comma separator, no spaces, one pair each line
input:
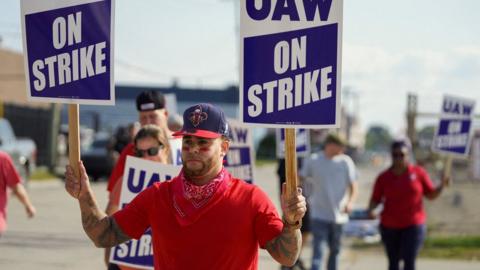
[429,47]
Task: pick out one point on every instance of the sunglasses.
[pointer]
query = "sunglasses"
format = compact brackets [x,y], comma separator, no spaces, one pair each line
[152,151]
[398,155]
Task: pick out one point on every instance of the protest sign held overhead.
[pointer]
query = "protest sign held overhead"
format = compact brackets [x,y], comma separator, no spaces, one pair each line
[290,63]
[69,51]
[454,131]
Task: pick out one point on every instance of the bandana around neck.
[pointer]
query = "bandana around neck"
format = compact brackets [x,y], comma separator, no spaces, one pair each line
[191,201]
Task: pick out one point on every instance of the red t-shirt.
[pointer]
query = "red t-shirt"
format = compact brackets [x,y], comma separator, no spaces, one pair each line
[402,196]
[117,171]
[227,236]
[9,177]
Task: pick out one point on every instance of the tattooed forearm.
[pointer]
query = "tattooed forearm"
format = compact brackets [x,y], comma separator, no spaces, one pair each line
[286,247]
[102,229]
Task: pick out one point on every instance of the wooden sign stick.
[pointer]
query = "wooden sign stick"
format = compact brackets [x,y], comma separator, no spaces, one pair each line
[447,170]
[290,162]
[73,138]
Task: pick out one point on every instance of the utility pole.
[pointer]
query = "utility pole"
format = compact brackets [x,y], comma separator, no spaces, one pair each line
[412,106]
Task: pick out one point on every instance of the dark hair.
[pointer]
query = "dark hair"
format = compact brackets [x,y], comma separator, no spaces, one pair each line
[335,139]
[152,131]
[150,100]
[399,143]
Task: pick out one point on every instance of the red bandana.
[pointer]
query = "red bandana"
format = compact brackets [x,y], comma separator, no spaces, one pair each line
[191,201]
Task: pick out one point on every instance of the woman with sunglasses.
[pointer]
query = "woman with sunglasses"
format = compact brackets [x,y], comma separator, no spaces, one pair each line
[400,189]
[150,143]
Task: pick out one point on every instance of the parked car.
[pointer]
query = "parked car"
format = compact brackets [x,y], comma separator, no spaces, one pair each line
[99,157]
[23,151]
[362,227]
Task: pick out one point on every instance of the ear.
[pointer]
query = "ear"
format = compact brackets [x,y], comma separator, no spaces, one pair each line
[225,145]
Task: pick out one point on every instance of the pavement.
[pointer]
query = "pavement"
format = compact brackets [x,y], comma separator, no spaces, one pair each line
[54,239]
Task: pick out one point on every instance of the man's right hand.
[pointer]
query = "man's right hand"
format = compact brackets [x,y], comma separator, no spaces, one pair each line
[74,186]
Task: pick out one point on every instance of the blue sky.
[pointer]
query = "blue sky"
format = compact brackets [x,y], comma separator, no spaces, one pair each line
[427,47]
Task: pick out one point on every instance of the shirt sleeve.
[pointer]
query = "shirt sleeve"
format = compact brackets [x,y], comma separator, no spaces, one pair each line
[427,184]
[10,174]
[117,171]
[134,218]
[268,223]
[351,170]
[377,193]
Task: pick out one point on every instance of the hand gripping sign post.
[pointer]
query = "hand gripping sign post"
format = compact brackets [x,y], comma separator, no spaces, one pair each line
[290,67]
[68,52]
[454,131]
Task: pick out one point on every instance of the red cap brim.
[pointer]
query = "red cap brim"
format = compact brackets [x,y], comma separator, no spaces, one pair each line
[197,133]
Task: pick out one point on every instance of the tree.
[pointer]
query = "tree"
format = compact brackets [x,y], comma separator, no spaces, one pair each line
[378,138]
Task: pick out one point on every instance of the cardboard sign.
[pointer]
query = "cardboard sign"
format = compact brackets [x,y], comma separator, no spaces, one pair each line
[138,175]
[290,73]
[454,131]
[240,159]
[302,139]
[68,47]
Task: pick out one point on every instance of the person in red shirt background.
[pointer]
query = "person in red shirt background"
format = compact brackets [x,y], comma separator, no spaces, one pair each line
[9,178]
[401,189]
[151,107]
[151,144]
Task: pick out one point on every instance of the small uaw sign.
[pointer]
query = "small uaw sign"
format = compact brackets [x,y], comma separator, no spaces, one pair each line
[69,50]
[454,131]
[240,157]
[302,142]
[139,174]
[290,62]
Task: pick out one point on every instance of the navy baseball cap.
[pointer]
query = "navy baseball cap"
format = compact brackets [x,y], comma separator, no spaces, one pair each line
[204,120]
[150,100]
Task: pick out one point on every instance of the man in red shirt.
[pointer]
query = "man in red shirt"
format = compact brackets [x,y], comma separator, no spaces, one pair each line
[204,218]
[10,178]
[401,189]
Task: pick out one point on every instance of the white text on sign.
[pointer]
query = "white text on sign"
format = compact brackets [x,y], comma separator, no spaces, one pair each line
[260,10]
[71,66]
[291,92]
[455,107]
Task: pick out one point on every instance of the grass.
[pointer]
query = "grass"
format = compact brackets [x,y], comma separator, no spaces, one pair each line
[445,247]
[452,247]
[41,174]
[264,162]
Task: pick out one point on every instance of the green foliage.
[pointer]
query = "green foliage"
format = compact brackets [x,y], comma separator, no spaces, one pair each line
[267,147]
[378,138]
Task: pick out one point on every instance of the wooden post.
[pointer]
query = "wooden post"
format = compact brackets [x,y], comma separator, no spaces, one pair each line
[290,161]
[447,170]
[73,138]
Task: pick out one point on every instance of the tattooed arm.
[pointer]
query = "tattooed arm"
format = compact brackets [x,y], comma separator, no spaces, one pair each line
[286,247]
[102,229]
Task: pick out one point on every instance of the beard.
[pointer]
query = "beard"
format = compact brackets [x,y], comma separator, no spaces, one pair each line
[201,169]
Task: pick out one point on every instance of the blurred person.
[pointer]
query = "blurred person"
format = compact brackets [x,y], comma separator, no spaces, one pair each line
[400,189]
[299,265]
[150,144]
[151,110]
[9,178]
[331,175]
[125,135]
[175,122]
[204,218]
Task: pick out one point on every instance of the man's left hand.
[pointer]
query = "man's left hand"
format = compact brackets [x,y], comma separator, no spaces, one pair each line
[293,206]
